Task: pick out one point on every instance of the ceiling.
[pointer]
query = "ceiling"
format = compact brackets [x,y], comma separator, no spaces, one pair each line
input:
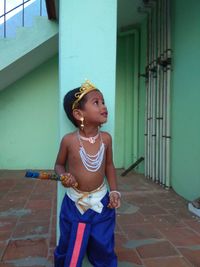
[128,14]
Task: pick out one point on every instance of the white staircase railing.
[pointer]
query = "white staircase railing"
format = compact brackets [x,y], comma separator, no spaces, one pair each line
[18,13]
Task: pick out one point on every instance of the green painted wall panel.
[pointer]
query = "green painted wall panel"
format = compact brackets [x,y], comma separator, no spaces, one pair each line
[120,104]
[185,154]
[130,97]
[124,100]
[29,120]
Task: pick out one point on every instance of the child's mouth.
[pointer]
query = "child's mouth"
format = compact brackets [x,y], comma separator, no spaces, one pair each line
[105,114]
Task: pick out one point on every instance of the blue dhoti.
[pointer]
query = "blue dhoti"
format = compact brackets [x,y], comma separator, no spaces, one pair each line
[84,230]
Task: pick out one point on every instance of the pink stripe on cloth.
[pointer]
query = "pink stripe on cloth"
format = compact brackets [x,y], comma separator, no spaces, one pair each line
[77,246]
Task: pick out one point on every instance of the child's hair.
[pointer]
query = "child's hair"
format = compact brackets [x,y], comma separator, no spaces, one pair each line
[77,98]
[68,101]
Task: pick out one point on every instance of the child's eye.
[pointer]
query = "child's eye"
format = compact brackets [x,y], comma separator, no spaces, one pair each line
[96,102]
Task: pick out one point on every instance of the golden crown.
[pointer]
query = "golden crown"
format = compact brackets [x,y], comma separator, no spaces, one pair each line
[85,88]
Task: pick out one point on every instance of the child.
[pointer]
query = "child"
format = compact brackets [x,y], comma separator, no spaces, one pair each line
[87,216]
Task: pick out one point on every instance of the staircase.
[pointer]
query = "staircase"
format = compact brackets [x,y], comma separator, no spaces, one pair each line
[30,47]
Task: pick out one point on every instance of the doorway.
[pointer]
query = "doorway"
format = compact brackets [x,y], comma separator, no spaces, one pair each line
[126,112]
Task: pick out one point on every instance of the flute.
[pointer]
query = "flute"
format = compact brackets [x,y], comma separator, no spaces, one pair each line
[44,175]
[48,176]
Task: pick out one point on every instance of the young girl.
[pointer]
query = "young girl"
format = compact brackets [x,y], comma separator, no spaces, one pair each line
[87,217]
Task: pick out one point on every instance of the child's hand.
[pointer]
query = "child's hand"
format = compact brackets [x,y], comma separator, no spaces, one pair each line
[115,200]
[68,180]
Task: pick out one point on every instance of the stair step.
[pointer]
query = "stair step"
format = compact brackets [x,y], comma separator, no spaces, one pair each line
[15,21]
[31,47]
[27,38]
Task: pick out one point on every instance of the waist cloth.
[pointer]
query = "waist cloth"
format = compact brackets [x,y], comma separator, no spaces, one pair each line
[88,200]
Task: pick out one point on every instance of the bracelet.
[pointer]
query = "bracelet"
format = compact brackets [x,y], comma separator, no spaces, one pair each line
[64,177]
[115,191]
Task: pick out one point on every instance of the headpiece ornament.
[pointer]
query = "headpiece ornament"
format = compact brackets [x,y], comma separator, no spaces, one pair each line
[85,88]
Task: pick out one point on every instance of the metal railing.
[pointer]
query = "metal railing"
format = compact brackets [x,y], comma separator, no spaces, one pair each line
[5,13]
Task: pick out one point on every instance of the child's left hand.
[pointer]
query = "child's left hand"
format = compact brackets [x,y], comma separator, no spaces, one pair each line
[115,200]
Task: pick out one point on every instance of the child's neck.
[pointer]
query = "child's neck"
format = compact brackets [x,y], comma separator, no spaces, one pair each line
[89,131]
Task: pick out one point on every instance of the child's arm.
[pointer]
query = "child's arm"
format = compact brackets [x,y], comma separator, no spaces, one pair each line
[111,176]
[67,179]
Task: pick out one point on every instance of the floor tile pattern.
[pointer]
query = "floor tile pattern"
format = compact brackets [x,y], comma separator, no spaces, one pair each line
[154,227]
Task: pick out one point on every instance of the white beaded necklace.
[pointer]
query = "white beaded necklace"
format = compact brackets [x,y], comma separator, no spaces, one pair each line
[91,162]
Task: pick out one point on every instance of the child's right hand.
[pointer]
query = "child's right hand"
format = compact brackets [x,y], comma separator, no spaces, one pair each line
[68,180]
[115,200]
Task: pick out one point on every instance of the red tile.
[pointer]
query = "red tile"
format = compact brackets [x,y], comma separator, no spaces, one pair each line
[7,224]
[3,245]
[181,236]
[164,221]
[139,200]
[129,255]
[41,196]
[37,215]
[135,218]
[169,203]
[20,249]
[152,210]
[159,249]
[173,220]
[52,242]
[120,239]
[142,231]
[51,256]
[5,235]
[7,265]
[194,225]
[32,228]
[6,184]
[183,213]
[167,262]
[39,204]
[5,205]
[192,255]
[118,228]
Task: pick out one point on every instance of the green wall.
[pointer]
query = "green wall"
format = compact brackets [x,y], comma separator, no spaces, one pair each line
[185,152]
[130,97]
[29,120]
[124,111]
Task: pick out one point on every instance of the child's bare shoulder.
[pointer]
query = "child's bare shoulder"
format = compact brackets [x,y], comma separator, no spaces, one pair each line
[106,137]
[69,138]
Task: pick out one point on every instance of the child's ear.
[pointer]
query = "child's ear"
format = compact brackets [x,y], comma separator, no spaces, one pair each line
[78,114]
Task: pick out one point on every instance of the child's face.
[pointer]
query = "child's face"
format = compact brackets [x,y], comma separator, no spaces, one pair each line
[95,110]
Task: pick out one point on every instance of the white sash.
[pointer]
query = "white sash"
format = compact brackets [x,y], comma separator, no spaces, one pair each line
[88,200]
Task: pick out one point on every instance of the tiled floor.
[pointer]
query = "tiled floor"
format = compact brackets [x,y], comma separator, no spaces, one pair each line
[154,227]
[27,220]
